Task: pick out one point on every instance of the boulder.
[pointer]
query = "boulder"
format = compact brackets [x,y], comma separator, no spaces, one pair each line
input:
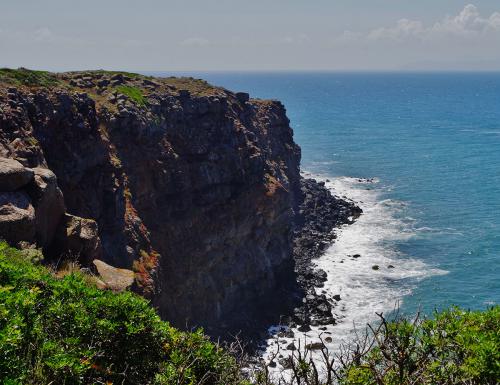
[13,175]
[17,217]
[49,205]
[114,278]
[82,238]
[242,97]
[315,346]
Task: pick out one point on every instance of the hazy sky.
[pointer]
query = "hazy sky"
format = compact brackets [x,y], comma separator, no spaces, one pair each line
[250,35]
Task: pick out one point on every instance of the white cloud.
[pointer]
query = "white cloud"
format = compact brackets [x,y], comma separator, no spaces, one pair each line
[195,42]
[468,23]
[404,28]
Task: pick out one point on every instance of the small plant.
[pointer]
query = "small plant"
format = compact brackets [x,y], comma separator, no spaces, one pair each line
[134,93]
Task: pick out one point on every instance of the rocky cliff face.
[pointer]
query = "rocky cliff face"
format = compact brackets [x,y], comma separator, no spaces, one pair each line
[190,186]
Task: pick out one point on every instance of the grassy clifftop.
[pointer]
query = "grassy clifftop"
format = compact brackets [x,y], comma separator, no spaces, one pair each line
[99,81]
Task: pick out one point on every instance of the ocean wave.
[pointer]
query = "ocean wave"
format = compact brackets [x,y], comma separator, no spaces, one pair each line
[378,279]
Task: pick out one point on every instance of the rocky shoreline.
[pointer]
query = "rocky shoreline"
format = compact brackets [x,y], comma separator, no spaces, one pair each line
[319,215]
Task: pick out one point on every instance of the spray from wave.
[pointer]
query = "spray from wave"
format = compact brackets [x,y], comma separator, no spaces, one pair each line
[367,273]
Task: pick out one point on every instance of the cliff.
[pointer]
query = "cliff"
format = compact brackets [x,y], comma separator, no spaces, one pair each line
[190,186]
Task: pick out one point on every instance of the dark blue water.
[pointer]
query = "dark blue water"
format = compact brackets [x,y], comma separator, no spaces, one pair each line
[433,142]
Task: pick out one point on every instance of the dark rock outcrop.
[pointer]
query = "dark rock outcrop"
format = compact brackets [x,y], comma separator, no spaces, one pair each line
[191,186]
[318,216]
[194,189]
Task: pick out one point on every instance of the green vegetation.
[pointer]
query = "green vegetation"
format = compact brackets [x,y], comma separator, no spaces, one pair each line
[65,331]
[134,93]
[26,77]
[131,75]
[453,348]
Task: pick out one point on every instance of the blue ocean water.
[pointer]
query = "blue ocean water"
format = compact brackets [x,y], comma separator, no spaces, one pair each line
[432,141]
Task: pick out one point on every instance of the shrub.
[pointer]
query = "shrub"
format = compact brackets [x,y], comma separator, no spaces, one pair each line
[66,331]
[134,93]
[454,347]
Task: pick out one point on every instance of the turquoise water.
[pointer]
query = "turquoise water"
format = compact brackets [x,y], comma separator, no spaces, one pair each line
[432,141]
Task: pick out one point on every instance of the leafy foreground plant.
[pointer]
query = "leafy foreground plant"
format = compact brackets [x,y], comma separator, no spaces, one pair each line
[455,347]
[65,331]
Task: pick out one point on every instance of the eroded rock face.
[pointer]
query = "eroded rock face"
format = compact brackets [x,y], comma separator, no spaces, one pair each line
[13,175]
[17,217]
[192,187]
[49,205]
[81,239]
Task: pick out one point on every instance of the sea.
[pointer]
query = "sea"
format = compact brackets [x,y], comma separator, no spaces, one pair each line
[420,154]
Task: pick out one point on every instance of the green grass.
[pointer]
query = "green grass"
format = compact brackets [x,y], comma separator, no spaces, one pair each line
[66,331]
[26,77]
[133,93]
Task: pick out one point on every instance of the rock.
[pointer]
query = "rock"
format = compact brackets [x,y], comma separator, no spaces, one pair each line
[286,363]
[375,267]
[315,346]
[82,238]
[304,328]
[17,217]
[117,79]
[49,205]
[291,347]
[328,339]
[286,334]
[103,83]
[356,255]
[327,321]
[390,267]
[336,297]
[242,97]
[272,364]
[13,175]
[114,278]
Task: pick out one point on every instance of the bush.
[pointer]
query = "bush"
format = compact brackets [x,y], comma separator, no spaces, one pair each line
[66,331]
[134,93]
[454,347]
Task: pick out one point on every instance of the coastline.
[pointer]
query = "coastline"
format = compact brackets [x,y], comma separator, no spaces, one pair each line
[362,272]
[320,215]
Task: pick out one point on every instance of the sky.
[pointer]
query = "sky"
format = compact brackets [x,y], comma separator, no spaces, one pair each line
[255,35]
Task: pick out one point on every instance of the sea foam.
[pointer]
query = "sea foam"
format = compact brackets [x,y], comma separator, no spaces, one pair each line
[376,281]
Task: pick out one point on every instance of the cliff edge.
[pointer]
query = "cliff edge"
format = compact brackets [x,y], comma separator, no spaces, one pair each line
[190,186]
